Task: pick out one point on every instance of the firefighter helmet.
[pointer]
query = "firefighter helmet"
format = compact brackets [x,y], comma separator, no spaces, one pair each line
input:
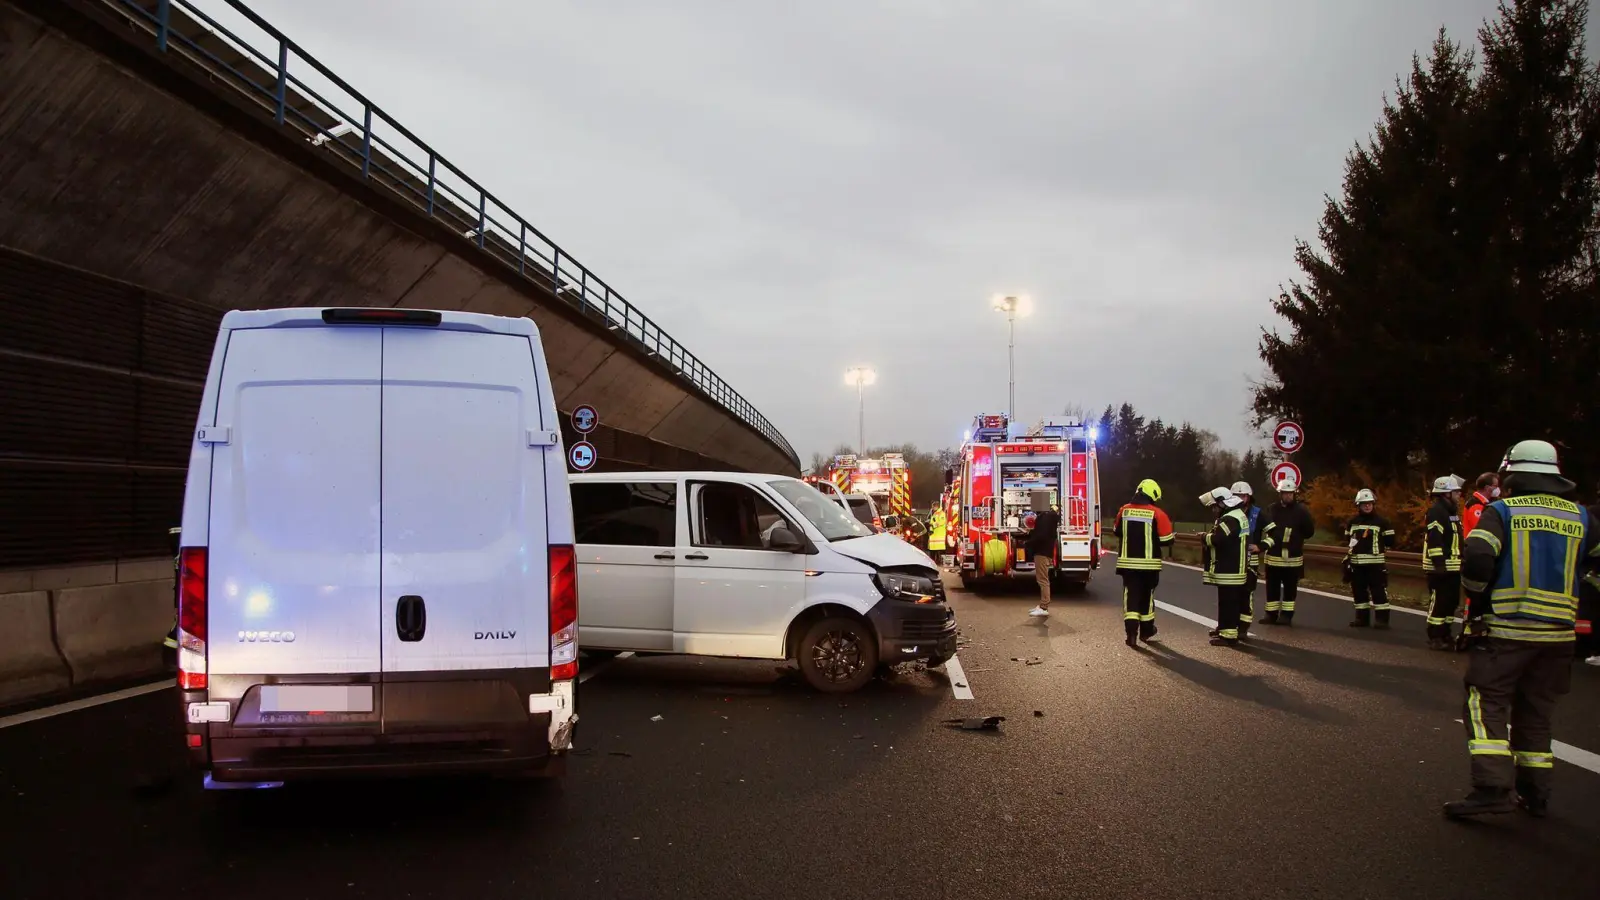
[1537,457]
[1242,488]
[1149,488]
[1220,495]
[1445,485]
[1365,495]
[1287,484]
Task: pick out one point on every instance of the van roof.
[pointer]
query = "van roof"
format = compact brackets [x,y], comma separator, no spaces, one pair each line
[741,477]
[311,316]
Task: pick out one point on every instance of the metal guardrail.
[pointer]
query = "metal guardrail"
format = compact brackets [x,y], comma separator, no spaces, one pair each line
[472,211]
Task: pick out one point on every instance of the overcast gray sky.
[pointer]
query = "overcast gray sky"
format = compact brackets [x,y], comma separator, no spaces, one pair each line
[794,188]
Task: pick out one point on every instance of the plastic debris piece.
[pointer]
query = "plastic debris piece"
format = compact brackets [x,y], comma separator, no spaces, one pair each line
[976,723]
[1038,714]
[656,718]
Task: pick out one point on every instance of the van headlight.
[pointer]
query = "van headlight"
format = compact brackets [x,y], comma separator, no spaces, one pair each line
[909,588]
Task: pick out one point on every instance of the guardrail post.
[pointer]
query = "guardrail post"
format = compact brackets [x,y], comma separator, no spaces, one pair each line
[366,142]
[163,20]
[483,199]
[432,162]
[522,249]
[281,94]
[555,265]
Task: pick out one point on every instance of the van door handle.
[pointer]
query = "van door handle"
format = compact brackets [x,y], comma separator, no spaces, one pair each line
[696,556]
[665,556]
[410,618]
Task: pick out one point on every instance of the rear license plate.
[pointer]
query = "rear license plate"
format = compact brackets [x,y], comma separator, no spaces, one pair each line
[308,698]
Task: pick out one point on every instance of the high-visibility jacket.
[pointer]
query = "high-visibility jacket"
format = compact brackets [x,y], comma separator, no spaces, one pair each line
[938,527]
[1523,566]
[1442,539]
[1143,529]
[1284,529]
[1472,512]
[1229,546]
[1252,514]
[1368,536]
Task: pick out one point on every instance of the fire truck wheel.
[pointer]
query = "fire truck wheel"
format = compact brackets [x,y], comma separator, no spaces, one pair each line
[838,655]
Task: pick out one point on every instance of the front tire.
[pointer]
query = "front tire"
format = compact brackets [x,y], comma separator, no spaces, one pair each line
[838,655]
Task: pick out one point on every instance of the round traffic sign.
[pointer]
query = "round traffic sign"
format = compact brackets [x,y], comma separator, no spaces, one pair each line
[1284,470]
[583,456]
[585,419]
[1288,436]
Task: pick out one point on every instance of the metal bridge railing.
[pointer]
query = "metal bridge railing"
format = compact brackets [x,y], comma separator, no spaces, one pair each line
[430,183]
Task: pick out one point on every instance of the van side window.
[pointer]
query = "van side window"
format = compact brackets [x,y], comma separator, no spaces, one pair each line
[626,513]
[733,515]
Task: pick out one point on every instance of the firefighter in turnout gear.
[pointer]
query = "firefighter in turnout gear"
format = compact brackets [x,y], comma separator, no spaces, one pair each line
[1521,568]
[1370,536]
[1442,556]
[1229,546]
[1284,529]
[1145,531]
[1252,513]
[938,530]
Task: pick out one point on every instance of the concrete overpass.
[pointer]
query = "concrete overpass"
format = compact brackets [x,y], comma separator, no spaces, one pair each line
[155,172]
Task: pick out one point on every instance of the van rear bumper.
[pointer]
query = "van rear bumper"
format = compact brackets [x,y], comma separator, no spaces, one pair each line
[419,723]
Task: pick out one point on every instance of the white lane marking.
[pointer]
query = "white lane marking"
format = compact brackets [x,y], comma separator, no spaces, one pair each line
[594,670]
[959,685]
[1184,613]
[85,703]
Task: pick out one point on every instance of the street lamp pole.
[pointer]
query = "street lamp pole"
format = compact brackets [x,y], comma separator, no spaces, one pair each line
[1011,306]
[861,376]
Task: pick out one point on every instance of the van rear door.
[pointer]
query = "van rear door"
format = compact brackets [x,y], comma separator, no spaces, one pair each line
[465,536]
[294,498]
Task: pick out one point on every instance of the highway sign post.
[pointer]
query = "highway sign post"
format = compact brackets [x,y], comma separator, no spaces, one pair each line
[585,419]
[582,455]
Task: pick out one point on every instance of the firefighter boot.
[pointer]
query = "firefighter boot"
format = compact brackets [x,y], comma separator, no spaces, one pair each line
[1533,798]
[1363,619]
[1286,619]
[1147,631]
[1481,802]
[1381,619]
[1269,618]
[1131,626]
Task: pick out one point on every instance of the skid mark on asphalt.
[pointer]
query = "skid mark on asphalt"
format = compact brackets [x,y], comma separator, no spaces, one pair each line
[86,703]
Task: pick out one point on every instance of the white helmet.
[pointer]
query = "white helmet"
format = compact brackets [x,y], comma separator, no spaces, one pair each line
[1242,488]
[1445,485]
[1532,456]
[1220,495]
[1287,484]
[1365,495]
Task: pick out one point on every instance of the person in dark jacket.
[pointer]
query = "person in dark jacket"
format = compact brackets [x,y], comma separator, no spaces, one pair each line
[1442,558]
[1228,544]
[1040,546]
[1143,530]
[1370,537]
[1285,526]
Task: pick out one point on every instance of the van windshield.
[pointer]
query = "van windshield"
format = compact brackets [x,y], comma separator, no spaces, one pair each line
[822,512]
[861,507]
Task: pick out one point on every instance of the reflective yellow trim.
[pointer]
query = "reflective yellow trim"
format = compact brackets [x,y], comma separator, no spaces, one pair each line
[1479,534]
[1489,748]
[1475,715]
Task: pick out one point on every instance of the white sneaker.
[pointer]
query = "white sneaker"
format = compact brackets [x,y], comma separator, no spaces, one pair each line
[1038,612]
[1593,661]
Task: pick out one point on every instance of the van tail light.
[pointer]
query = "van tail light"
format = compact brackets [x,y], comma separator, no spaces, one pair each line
[563,613]
[192,618]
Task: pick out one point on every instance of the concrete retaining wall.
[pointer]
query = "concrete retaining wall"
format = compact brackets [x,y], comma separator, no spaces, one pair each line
[78,625]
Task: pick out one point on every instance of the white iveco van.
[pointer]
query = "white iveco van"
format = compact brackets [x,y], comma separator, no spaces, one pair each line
[755,566]
[377,567]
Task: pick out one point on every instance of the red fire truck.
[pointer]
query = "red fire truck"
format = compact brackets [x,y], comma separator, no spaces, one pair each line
[991,493]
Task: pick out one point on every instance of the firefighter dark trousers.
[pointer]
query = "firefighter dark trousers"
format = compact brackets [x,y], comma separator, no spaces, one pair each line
[1247,611]
[1370,585]
[1515,683]
[1283,583]
[1231,599]
[1444,601]
[1139,602]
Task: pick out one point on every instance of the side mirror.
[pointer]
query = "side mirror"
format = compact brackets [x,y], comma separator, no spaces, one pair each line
[890,523]
[784,541]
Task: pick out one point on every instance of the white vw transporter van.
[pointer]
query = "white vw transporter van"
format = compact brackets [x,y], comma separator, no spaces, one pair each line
[376,571]
[758,566]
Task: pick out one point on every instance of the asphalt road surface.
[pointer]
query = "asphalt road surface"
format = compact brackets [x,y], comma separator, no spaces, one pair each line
[1311,764]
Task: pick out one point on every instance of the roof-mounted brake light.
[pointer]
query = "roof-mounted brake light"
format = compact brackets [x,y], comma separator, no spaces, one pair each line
[380,316]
